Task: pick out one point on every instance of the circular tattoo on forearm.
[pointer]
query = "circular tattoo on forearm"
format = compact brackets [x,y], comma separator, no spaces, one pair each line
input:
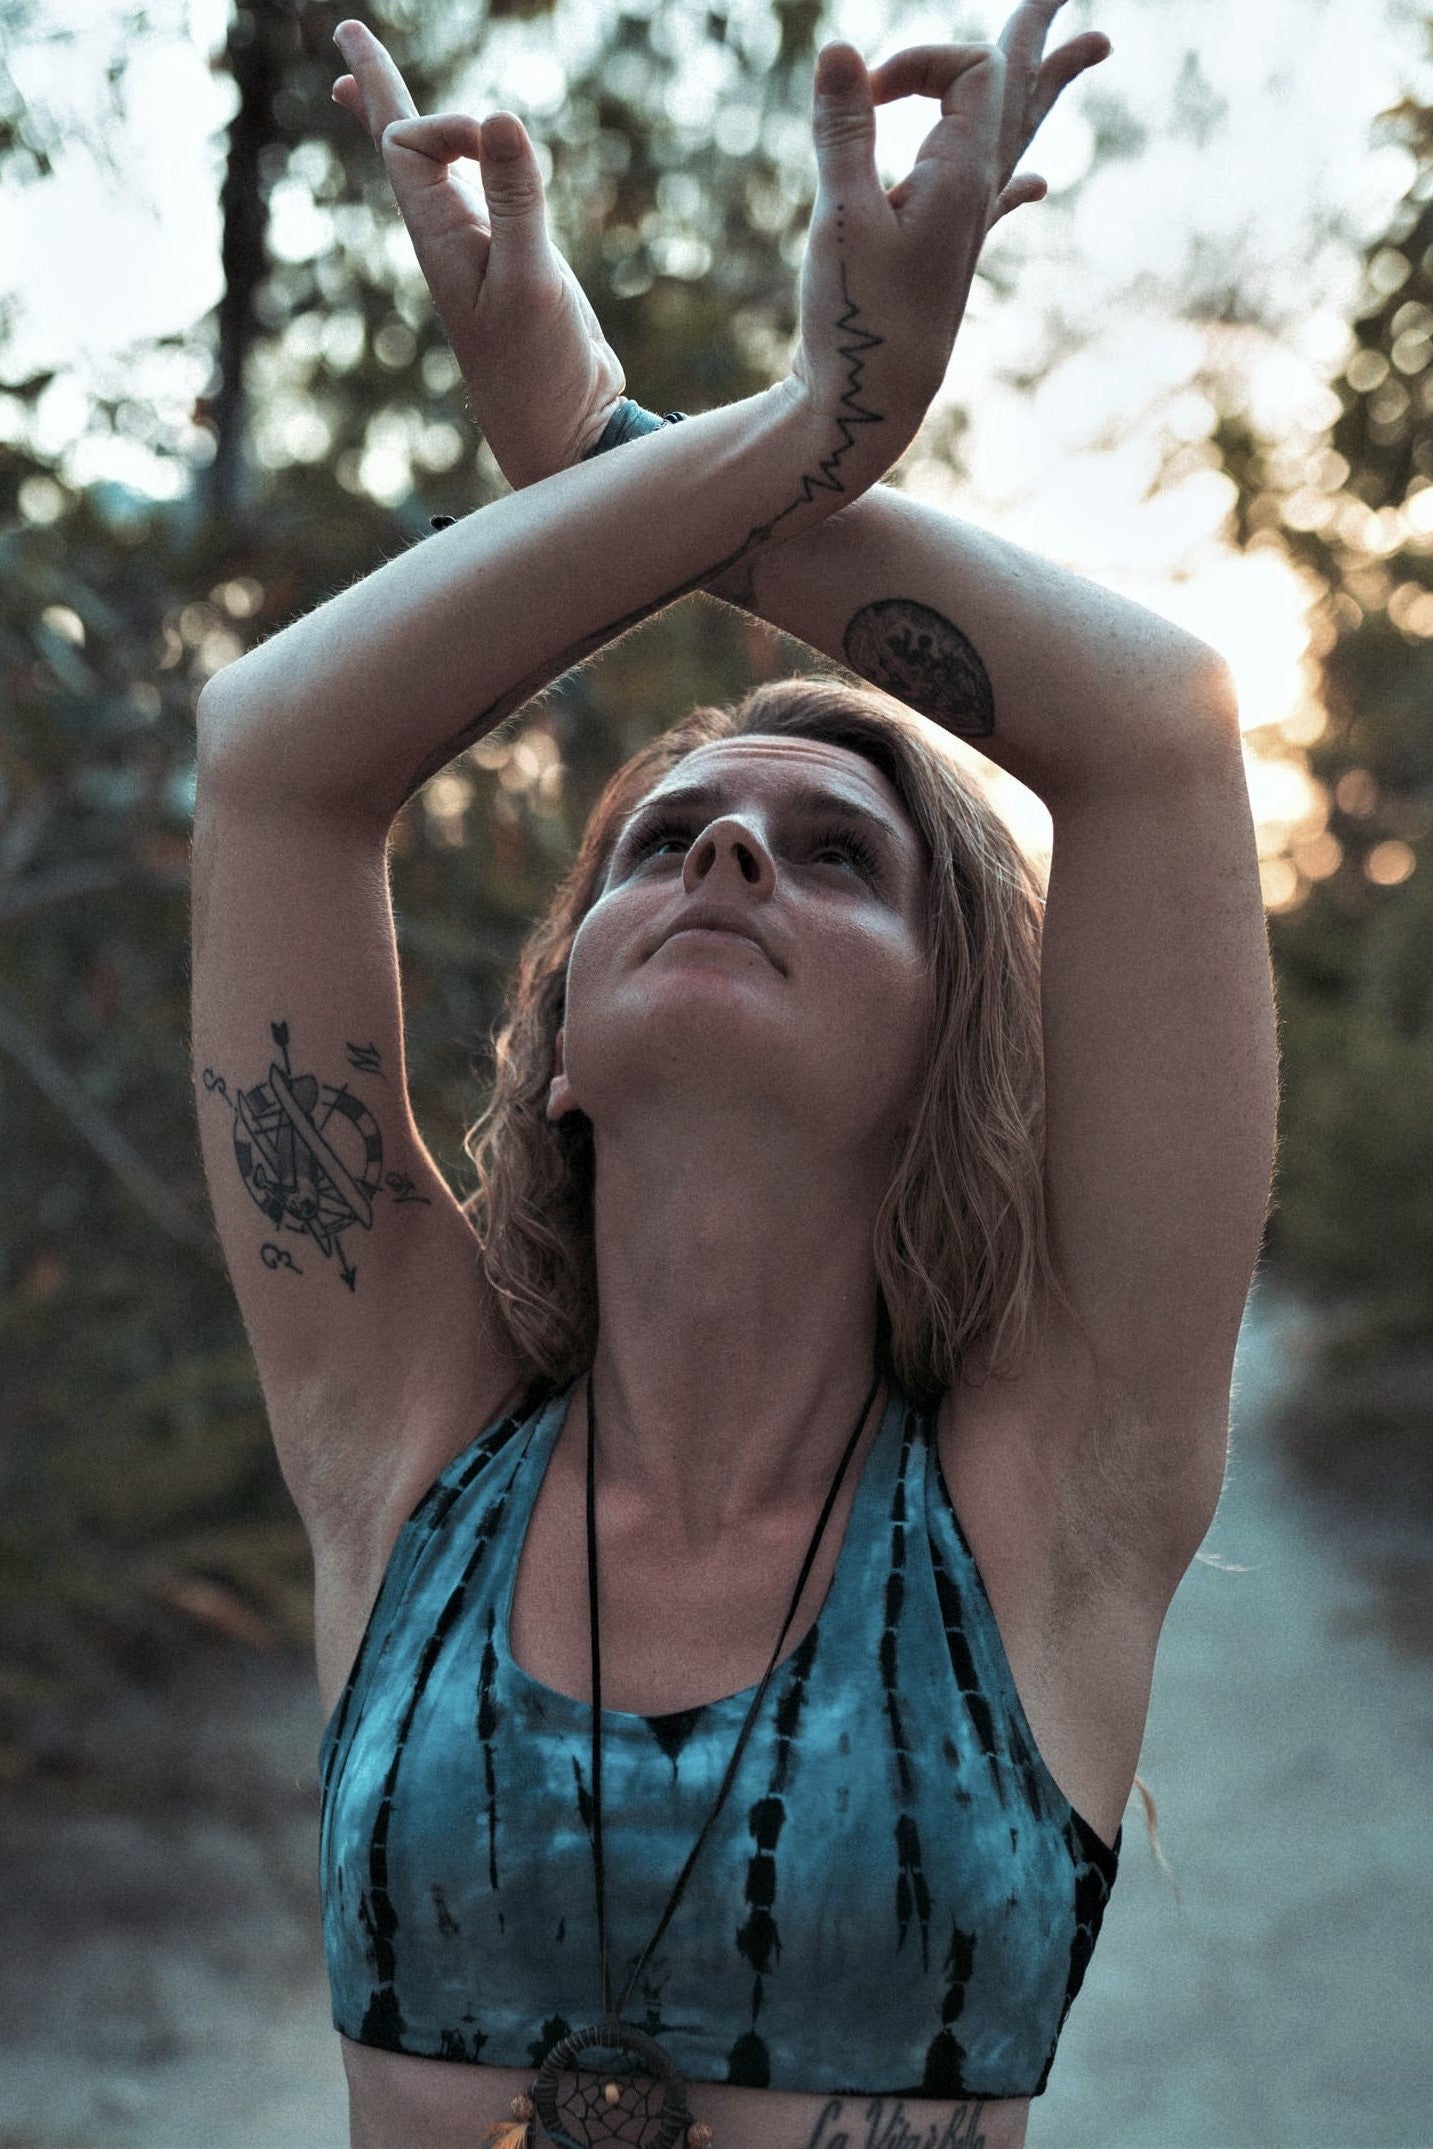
[923,659]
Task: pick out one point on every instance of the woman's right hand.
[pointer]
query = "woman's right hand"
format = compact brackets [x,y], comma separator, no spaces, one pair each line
[886,275]
[541,376]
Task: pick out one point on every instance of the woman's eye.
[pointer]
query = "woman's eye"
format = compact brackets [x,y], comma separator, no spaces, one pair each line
[655,840]
[853,850]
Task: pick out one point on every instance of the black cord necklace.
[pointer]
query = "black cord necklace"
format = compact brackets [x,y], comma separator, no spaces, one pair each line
[640,2099]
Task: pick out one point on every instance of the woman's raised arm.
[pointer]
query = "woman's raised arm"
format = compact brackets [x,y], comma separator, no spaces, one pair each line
[358,703]
[355,705]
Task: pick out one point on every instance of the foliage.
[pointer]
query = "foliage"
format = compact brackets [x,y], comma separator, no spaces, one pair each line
[1354,953]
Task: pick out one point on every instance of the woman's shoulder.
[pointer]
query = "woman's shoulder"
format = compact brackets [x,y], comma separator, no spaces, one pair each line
[360,1581]
[525,1402]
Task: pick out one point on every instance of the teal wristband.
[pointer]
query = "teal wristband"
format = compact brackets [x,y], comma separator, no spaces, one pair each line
[628,422]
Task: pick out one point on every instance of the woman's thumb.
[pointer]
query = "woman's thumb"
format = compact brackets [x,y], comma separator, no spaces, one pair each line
[843,115]
[503,138]
[512,181]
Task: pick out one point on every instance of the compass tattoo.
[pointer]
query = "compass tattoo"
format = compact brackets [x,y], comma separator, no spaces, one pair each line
[311,1155]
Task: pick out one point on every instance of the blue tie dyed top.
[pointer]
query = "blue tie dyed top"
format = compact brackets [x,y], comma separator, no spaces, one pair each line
[896,1898]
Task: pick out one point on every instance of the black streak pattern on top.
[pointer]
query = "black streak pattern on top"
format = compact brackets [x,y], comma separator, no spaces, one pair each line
[383,2020]
[912,1888]
[759,1939]
[1094,1878]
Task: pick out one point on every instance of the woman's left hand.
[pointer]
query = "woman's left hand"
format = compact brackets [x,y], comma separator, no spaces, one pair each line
[1033,83]
[540,374]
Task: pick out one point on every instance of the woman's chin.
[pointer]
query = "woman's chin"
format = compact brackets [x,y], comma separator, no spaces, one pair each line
[714,1041]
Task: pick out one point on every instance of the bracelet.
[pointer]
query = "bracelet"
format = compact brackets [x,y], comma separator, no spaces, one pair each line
[628,422]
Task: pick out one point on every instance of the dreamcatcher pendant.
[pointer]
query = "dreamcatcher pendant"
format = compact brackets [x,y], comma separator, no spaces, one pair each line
[636,2098]
[512,2133]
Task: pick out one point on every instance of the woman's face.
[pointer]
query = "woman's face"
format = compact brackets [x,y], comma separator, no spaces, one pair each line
[758,943]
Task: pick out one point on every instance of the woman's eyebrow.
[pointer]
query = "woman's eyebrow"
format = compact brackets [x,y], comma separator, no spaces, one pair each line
[812,799]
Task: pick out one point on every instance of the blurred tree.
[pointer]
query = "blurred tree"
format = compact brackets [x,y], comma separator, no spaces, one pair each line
[1353,943]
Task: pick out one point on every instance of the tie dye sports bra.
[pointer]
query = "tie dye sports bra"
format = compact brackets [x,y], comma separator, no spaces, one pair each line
[459,1912]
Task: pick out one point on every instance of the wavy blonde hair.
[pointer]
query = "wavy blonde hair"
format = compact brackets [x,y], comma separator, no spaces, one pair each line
[960,1244]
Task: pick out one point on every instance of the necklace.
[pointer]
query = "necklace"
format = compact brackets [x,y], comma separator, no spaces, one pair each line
[641,2097]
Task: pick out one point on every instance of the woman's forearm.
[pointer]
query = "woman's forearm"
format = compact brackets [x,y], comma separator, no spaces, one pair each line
[355,705]
[1056,679]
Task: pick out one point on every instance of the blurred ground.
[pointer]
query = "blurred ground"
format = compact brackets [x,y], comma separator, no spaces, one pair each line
[1285,2003]
[162,1978]
[162,1983]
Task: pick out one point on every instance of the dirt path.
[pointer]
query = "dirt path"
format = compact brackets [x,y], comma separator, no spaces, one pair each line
[1286,2004]
[162,1985]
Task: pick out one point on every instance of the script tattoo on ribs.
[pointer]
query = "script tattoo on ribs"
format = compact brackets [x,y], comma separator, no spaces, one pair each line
[922,658]
[311,1155]
[871,2125]
[855,345]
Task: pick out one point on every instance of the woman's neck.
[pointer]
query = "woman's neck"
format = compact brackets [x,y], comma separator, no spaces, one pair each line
[737,1296]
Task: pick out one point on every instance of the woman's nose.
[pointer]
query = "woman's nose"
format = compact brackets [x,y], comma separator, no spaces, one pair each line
[726,844]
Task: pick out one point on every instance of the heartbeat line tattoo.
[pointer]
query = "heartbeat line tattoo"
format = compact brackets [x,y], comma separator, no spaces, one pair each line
[311,1155]
[858,341]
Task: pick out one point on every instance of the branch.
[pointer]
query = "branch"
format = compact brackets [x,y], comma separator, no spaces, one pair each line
[104,1137]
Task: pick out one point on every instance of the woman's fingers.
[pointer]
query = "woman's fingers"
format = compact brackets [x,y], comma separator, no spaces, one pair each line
[383,95]
[512,182]
[843,119]
[972,103]
[442,137]
[922,70]
[1063,67]
[844,109]
[1030,87]
[1025,187]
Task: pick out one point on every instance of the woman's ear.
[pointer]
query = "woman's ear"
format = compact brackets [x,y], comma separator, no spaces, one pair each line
[560,1096]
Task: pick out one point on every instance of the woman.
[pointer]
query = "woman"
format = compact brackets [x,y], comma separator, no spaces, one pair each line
[739,1568]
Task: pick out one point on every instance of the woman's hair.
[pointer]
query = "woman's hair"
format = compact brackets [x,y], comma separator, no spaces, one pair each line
[960,1243]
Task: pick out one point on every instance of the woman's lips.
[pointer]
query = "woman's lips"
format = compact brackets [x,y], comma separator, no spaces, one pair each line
[716,932]
[709,922]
